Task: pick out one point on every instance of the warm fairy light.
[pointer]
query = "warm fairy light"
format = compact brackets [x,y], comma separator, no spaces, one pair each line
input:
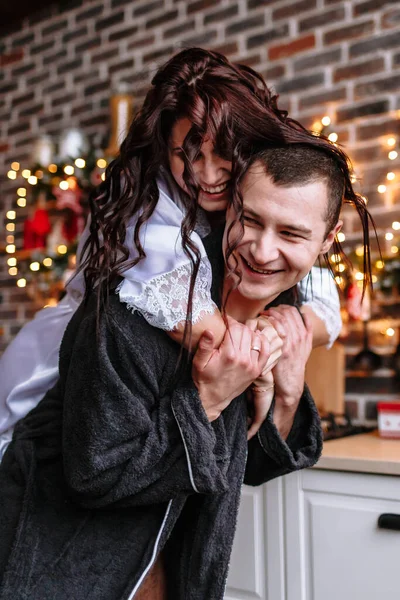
[101,163]
[381,189]
[11,214]
[64,185]
[396,225]
[341,267]
[69,170]
[333,137]
[393,155]
[335,258]
[365,199]
[72,183]
[389,236]
[391,141]
[390,176]
[10,239]
[21,191]
[13,271]
[52,168]
[103,177]
[379,264]
[394,250]
[339,280]
[12,175]
[35,266]
[39,174]
[390,331]
[51,302]
[72,260]
[32,180]
[15,166]
[80,163]
[359,276]
[26,173]
[360,251]
[47,262]
[353,178]
[62,249]
[316,126]
[10,249]
[21,202]
[21,282]
[10,226]
[374,279]
[326,121]
[12,261]
[341,237]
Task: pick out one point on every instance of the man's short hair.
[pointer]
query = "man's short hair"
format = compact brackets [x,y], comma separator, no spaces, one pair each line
[299,164]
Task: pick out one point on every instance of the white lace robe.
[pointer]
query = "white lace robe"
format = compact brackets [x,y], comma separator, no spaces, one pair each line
[157,287]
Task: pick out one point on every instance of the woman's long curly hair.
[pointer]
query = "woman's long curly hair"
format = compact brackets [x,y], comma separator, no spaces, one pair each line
[227,103]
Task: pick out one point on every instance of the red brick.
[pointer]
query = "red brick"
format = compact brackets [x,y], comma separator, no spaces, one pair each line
[391,19]
[294,47]
[12,57]
[201,5]
[293,9]
[349,33]
[359,69]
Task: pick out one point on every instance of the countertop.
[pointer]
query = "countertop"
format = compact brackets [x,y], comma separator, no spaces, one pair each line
[364,453]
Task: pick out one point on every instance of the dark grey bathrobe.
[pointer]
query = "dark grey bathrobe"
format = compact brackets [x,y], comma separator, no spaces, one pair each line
[118,462]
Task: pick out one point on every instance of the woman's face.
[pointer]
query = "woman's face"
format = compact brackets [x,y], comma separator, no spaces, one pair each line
[213,173]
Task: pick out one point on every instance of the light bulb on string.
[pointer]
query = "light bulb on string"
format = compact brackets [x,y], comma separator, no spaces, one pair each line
[26,173]
[12,261]
[21,202]
[341,236]
[393,155]
[396,225]
[21,282]
[15,166]
[381,188]
[12,175]
[333,137]
[21,191]
[11,214]
[80,163]
[389,236]
[391,141]
[326,121]
[390,176]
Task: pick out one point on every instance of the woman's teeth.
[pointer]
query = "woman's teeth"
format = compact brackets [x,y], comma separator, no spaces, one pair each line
[215,190]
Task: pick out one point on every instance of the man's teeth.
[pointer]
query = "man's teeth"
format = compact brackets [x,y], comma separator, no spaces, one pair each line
[215,190]
[258,270]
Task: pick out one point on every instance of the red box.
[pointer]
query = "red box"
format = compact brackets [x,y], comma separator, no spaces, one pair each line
[389,419]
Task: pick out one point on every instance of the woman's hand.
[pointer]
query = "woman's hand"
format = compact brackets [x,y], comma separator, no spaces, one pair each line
[222,374]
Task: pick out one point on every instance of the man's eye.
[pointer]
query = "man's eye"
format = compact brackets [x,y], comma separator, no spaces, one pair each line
[249,220]
[290,234]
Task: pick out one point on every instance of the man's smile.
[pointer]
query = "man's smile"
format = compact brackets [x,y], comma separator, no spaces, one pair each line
[259,271]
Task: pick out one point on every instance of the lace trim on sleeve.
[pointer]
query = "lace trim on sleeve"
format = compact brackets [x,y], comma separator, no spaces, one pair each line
[330,316]
[163,299]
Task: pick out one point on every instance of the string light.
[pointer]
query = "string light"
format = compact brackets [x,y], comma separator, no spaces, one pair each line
[381,189]
[390,176]
[379,264]
[52,168]
[391,141]
[360,251]
[10,249]
[35,266]
[12,175]
[339,280]
[393,155]
[64,185]
[103,177]
[11,214]
[10,227]
[62,249]
[12,261]
[21,282]
[101,163]
[335,258]
[10,239]
[26,173]
[390,331]
[69,170]
[359,276]
[396,225]
[80,163]
[326,121]
[333,137]
[374,279]
[32,179]
[13,271]
[341,237]
[394,250]
[341,267]
[15,166]
[389,236]
[21,202]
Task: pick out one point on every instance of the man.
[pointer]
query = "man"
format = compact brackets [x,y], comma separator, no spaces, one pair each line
[122,467]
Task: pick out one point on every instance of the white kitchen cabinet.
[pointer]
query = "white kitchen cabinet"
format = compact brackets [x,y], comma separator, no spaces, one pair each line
[313,535]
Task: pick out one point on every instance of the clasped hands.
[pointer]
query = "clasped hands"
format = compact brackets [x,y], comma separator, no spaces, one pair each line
[266,356]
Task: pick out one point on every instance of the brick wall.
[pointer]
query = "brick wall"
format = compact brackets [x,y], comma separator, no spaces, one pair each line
[334,57]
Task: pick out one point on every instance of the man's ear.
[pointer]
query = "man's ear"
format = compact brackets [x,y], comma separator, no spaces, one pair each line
[328,241]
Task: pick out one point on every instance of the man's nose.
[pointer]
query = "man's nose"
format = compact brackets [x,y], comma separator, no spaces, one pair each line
[265,249]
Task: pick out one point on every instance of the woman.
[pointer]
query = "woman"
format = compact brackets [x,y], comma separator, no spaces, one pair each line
[174,170]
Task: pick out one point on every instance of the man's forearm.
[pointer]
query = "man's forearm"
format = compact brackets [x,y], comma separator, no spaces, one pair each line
[284,414]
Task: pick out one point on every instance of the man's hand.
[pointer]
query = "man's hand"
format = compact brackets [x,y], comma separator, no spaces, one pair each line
[222,374]
[289,372]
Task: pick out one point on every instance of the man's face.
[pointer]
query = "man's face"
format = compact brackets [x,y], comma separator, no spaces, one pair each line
[212,172]
[284,232]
